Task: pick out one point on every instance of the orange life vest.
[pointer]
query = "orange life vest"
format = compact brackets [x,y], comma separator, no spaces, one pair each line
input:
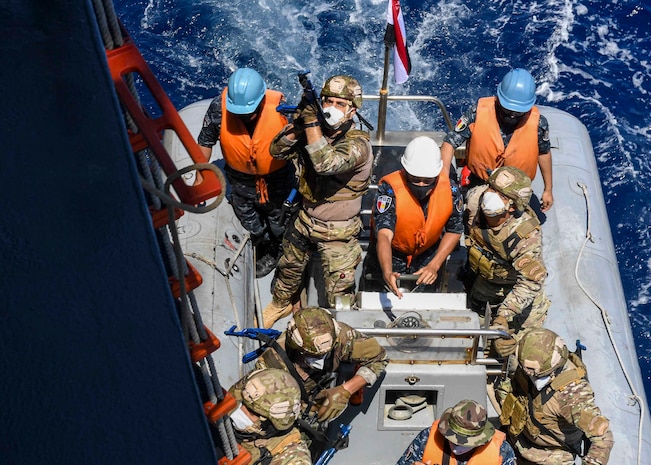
[248,154]
[414,233]
[488,454]
[486,147]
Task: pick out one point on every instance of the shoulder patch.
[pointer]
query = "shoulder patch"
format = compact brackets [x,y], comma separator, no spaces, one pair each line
[383,203]
[462,123]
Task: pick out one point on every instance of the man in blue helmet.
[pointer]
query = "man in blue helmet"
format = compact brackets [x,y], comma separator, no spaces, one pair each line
[505,130]
[259,183]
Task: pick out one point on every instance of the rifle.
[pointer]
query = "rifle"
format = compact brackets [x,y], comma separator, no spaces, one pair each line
[340,443]
[266,336]
[312,97]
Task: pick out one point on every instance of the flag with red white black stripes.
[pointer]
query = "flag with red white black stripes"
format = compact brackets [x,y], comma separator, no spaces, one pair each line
[395,34]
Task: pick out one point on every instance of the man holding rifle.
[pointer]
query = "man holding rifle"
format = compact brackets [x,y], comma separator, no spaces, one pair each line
[335,161]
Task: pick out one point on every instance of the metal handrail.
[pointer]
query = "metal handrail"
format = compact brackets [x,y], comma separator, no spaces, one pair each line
[382,115]
[475,334]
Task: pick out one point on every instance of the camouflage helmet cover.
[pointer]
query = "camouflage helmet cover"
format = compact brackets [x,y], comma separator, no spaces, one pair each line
[312,330]
[273,394]
[466,424]
[345,87]
[512,183]
[541,352]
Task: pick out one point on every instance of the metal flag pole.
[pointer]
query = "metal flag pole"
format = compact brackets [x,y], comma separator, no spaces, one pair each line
[389,41]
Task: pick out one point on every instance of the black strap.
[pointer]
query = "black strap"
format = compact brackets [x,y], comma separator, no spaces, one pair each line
[290,367]
[542,427]
[446,453]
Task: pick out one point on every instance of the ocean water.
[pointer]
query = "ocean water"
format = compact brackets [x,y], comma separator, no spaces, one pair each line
[590,58]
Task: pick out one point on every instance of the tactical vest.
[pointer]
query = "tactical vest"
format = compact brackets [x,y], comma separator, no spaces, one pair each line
[250,154]
[486,147]
[341,186]
[414,233]
[489,254]
[520,411]
[489,453]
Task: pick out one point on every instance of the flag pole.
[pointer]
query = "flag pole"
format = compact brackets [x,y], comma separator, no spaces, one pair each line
[389,41]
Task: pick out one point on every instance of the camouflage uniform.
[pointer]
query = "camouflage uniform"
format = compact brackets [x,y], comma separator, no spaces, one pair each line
[387,220]
[549,426]
[334,174]
[265,221]
[465,424]
[507,260]
[461,133]
[274,396]
[336,340]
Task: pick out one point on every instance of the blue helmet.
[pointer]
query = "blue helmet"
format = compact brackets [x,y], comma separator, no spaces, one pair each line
[246,89]
[517,91]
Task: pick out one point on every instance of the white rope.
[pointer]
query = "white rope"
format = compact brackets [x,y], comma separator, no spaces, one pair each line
[606,320]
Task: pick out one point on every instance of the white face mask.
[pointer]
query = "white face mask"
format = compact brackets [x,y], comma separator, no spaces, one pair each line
[492,204]
[334,116]
[460,450]
[315,362]
[241,420]
[541,382]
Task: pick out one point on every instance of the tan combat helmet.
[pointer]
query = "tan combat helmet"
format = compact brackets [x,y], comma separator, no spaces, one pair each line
[345,87]
[541,352]
[313,331]
[514,184]
[273,394]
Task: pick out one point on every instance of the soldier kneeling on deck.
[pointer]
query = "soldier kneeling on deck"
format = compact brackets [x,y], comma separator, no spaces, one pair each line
[314,346]
[504,242]
[549,406]
[270,402]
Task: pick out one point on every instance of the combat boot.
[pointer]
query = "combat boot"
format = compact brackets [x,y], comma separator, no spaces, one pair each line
[274,312]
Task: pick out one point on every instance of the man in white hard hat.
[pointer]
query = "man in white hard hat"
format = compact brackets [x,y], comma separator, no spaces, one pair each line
[417,220]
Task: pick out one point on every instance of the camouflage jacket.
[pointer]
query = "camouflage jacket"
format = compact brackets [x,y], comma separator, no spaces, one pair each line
[566,410]
[461,132]
[350,347]
[330,170]
[509,255]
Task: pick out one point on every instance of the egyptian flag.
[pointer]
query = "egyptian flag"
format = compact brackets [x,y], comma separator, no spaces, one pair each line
[395,34]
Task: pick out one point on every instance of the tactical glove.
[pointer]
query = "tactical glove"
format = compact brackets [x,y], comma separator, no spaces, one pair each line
[309,114]
[332,402]
[500,322]
[505,347]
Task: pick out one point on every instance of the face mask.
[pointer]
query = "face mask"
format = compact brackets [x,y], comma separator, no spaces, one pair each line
[541,382]
[334,116]
[492,204]
[241,420]
[510,118]
[315,362]
[420,192]
[460,450]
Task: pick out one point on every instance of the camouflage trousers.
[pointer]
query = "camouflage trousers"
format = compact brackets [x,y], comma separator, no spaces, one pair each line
[483,292]
[265,220]
[290,449]
[337,244]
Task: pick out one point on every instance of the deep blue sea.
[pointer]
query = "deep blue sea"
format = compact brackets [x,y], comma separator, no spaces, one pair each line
[590,58]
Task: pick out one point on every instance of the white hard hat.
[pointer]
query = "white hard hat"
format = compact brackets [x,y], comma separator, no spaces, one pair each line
[422,158]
